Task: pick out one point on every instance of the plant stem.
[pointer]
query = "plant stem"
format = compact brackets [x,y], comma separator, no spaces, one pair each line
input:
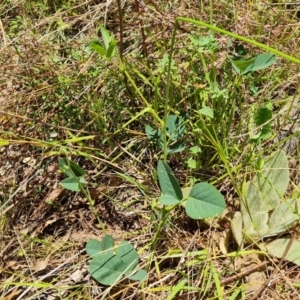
[239,37]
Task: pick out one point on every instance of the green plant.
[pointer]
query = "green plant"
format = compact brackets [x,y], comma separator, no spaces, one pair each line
[264,211]
[258,62]
[108,48]
[111,263]
[75,181]
[239,37]
[262,120]
[175,128]
[200,201]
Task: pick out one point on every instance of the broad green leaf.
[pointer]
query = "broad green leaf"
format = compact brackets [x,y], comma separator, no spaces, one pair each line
[175,127]
[186,191]
[195,150]
[97,47]
[130,257]
[95,247]
[167,180]
[257,227]
[254,201]
[261,61]
[107,270]
[111,50]
[140,275]
[273,180]
[73,184]
[192,163]
[240,65]
[207,111]
[265,212]
[70,168]
[237,228]
[107,243]
[276,170]
[175,147]
[254,214]
[106,37]
[166,199]
[262,116]
[204,201]
[278,247]
[284,216]
[256,63]
[153,134]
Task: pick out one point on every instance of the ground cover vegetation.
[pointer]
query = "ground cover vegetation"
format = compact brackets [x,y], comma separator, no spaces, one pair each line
[149,150]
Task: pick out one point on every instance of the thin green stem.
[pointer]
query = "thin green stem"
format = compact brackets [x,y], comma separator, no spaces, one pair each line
[168,89]
[244,39]
[146,103]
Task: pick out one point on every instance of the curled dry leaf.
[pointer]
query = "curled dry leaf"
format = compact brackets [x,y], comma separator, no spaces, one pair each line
[42,264]
[54,195]
[79,274]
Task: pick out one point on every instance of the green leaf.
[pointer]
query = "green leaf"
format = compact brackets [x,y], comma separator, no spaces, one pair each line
[261,61]
[262,116]
[168,199]
[153,134]
[167,180]
[192,163]
[276,170]
[278,247]
[257,228]
[264,195]
[129,255]
[204,201]
[70,168]
[256,63]
[237,228]
[240,65]
[175,147]
[107,266]
[284,216]
[107,242]
[273,180]
[195,150]
[95,247]
[97,47]
[106,37]
[140,275]
[108,270]
[254,202]
[73,184]
[175,127]
[111,50]
[193,39]
[207,111]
